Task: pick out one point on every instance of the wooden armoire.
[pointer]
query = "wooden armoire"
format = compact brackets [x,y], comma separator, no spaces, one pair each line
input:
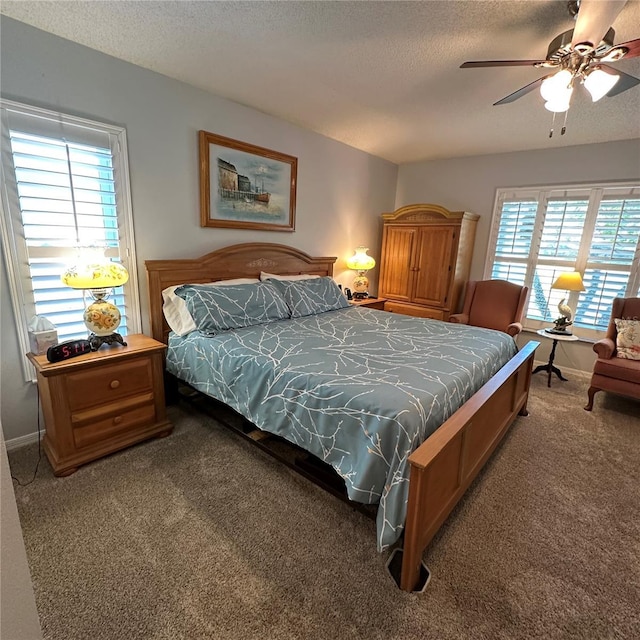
[425,260]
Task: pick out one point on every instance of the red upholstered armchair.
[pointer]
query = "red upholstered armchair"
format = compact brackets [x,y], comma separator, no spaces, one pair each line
[610,372]
[493,304]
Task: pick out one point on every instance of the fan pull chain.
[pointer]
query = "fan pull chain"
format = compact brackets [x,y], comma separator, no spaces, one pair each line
[564,124]
[553,121]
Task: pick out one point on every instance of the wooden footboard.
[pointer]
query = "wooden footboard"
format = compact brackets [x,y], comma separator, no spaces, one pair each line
[444,466]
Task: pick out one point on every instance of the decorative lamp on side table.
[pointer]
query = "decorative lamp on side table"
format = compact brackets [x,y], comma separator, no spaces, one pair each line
[98,275]
[361,263]
[571,282]
[102,401]
[556,337]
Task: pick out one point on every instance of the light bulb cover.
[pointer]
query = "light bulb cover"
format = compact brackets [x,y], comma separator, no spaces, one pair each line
[360,261]
[599,82]
[556,86]
[95,275]
[557,107]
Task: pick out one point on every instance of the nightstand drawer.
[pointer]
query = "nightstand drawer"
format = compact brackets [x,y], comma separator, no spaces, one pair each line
[108,383]
[101,430]
[414,310]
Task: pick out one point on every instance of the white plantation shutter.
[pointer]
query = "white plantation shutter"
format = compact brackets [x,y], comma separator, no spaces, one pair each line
[65,187]
[513,241]
[536,235]
[612,268]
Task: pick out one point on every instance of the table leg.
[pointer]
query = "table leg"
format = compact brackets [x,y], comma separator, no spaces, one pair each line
[549,368]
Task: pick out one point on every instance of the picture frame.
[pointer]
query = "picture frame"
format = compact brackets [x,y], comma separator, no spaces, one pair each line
[243,186]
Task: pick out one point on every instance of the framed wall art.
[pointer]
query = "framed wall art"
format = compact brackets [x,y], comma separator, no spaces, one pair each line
[243,186]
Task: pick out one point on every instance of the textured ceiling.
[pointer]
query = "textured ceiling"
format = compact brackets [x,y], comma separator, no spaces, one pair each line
[383,77]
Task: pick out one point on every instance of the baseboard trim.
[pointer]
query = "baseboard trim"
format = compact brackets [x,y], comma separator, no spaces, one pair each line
[22,441]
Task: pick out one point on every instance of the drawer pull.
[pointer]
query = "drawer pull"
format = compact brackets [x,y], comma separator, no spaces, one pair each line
[114,384]
[117,420]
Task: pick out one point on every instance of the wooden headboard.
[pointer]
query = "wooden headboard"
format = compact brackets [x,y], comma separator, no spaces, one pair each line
[236,261]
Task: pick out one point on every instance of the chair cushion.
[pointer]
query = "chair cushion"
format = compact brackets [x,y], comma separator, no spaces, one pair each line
[619,368]
[628,339]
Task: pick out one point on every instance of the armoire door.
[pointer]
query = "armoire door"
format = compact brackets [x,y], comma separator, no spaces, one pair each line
[396,279]
[435,257]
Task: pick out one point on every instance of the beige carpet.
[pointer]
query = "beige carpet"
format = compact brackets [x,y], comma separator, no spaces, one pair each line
[199,535]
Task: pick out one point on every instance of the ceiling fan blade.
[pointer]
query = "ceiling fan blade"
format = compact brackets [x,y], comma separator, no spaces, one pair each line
[523,91]
[594,19]
[501,63]
[633,46]
[626,81]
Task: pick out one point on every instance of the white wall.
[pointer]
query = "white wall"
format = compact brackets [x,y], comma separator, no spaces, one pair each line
[469,184]
[341,191]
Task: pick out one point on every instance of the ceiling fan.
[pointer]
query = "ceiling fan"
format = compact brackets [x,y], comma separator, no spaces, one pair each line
[578,56]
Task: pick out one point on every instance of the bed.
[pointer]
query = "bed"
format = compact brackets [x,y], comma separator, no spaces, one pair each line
[320,397]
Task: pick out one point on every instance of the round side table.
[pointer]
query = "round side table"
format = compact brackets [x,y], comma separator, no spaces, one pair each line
[549,368]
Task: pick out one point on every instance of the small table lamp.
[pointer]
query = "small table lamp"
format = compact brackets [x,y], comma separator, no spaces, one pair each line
[569,281]
[361,263]
[102,318]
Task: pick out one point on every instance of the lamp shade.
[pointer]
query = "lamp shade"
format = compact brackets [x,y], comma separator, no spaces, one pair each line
[569,281]
[360,261]
[95,275]
[557,86]
[599,82]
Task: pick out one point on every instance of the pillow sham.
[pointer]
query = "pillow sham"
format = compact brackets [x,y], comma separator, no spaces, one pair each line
[628,339]
[311,296]
[175,309]
[216,309]
[273,276]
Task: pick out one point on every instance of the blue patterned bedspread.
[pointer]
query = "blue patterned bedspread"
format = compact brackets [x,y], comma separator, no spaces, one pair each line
[360,389]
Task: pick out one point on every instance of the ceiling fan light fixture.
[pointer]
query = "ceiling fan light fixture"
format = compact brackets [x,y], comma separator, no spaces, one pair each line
[599,82]
[557,87]
[557,106]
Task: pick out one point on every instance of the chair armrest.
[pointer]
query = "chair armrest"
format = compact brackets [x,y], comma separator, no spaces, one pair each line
[514,329]
[459,318]
[604,348]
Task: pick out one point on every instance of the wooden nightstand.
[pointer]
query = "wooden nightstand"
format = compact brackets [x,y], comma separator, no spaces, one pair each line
[102,401]
[371,303]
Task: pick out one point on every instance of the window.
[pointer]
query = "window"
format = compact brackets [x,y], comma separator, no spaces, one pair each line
[538,234]
[65,188]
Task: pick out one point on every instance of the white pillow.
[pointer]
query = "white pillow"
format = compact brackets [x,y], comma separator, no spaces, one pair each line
[273,276]
[175,309]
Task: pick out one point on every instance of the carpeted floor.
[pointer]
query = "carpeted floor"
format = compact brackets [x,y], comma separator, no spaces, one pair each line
[200,535]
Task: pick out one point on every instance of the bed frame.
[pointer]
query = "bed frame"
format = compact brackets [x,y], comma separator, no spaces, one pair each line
[444,466]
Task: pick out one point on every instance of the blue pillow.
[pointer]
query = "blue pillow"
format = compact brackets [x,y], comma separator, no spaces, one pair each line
[216,309]
[308,297]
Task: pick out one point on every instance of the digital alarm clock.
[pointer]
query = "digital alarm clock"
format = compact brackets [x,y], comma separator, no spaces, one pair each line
[69,349]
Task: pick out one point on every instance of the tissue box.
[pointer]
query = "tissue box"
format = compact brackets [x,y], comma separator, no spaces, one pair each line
[40,341]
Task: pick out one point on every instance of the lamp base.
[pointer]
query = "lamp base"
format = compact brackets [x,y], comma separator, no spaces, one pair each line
[559,332]
[360,295]
[97,341]
[562,324]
